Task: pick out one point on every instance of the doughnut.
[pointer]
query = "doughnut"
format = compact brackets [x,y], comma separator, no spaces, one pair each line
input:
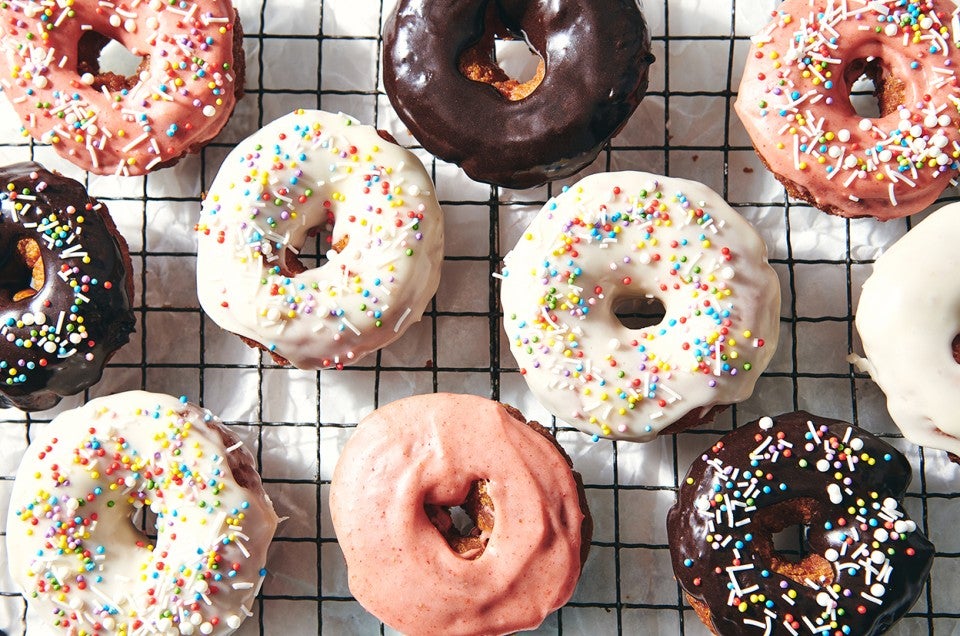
[623,236]
[74,537]
[441,76]
[65,287]
[794,101]
[865,560]
[314,171]
[909,322]
[411,461]
[190,76]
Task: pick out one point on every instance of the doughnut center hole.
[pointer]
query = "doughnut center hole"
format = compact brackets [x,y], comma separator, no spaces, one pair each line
[318,250]
[503,59]
[517,59]
[874,91]
[639,312]
[782,538]
[791,543]
[109,62]
[955,346]
[465,527]
[21,271]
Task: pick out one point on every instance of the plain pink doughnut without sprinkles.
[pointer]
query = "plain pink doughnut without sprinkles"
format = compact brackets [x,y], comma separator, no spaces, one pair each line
[180,97]
[429,449]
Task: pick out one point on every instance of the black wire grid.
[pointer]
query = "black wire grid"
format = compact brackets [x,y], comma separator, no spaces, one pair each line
[330,60]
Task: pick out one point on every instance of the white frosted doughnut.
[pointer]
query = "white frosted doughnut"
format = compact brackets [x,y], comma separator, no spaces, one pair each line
[73,539]
[628,235]
[305,171]
[907,317]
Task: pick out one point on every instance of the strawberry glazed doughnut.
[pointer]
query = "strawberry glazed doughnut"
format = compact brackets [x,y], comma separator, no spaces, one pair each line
[626,236]
[74,541]
[315,171]
[406,466]
[189,79]
[795,103]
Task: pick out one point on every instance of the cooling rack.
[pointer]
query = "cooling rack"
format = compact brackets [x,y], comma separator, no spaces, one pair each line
[305,53]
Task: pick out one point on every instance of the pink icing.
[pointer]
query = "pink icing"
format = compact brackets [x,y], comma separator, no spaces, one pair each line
[429,449]
[180,100]
[794,101]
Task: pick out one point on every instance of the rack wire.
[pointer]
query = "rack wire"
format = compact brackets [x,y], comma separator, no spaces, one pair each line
[305,53]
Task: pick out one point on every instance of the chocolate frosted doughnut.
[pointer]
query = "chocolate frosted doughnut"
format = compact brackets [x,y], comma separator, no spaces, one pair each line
[867,560]
[595,61]
[65,289]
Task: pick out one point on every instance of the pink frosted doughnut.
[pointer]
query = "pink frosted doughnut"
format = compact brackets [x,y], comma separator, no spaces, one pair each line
[406,465]
[794,101]
[180,97]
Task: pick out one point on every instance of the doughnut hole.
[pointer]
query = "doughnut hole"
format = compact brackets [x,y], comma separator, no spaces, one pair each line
[103,61]
[21,271]
[955,348]
[639,312]
[465,527]
[503,59]
[874,91]
[780,539]
[292,264]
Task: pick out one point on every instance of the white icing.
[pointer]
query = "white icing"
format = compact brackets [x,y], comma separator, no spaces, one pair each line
[177,465]
[365,296]
[564,352]
[907,317]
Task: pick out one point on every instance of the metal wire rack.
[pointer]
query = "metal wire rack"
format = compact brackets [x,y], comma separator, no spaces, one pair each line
[326,54]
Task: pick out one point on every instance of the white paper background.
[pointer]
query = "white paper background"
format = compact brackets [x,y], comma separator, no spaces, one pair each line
[297,422]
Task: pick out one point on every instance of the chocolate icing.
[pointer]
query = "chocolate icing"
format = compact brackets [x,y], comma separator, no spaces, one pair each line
[858,533]
[81,314]
[597,56]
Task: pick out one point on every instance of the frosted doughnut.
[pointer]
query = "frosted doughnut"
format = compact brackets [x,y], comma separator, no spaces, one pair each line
[864,561]
[908,318]
[629,235]
[72,537]
[794,102]
[412,460]
[304,171]
[183,93]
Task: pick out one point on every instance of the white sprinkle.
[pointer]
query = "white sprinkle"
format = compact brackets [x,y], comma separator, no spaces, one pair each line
[836,496]
[407,312]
